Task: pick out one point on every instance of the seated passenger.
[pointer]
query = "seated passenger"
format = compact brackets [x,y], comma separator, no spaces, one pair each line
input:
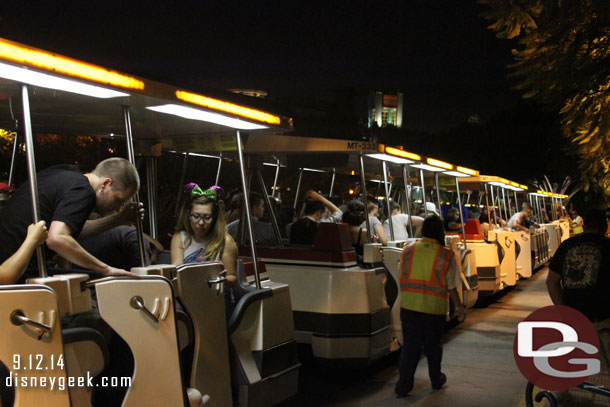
[332,213]
[303,231]
[201,232]
[452,221]
[484,219]
[263,232]
[400,223]
[376,225]
[431,209]
[14,266]
[234,207]
[354,216]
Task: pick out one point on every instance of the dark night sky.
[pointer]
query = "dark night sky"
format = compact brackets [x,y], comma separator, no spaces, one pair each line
[439,53]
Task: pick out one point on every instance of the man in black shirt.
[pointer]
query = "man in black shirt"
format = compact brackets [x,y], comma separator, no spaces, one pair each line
[579,273]
[67,197]
[579,277]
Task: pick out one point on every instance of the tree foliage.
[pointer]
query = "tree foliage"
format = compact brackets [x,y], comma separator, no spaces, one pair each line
[563,60]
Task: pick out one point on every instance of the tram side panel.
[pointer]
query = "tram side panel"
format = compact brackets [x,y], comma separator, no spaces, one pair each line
[339,308]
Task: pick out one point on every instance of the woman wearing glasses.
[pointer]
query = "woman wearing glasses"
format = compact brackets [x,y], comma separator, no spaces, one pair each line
[201,231]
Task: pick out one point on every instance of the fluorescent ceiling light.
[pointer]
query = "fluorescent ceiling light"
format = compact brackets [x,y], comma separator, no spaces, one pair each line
[312,170]
[428,167]
[456,174]
[196,114]
[391,158]
[53,82]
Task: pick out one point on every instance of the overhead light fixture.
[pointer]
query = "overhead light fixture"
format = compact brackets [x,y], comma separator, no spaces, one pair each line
[468,171]
[390,158]
[44,80]
[215,104]
[196,114]
[312,170]
[428,167]
[439,163]
[401,153]
[52,62]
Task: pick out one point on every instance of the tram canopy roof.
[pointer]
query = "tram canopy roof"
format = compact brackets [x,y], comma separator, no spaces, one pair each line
[546,194]
[75,97]
[346,153]
[474,182]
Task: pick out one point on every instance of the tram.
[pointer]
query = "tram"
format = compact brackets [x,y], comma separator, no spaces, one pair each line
[347,312]
[502,256]
[248,361]
[554,225]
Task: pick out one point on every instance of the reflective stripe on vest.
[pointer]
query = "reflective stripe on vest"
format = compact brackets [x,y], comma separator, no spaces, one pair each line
[422,279]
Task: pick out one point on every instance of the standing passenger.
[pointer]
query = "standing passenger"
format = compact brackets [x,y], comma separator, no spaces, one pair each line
[576,223]
[428,274]
[67,197]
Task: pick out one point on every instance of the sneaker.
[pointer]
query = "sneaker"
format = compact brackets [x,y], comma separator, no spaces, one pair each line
[442,379]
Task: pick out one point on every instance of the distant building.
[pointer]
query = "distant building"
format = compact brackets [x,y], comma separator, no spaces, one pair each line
[385,109]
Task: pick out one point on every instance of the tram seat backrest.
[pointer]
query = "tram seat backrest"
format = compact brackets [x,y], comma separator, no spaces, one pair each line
[157,379]
[332,237]
[39,303]
[86,351]
[473,230]
[209,366]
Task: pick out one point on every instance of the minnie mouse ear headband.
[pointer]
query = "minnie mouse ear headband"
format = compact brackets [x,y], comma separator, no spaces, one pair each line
[213,193]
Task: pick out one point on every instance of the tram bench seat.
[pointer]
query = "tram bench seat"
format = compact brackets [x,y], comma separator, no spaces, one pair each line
[473,231]
[332,244]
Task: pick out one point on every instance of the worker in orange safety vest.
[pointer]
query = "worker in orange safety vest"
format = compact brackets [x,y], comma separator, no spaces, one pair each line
[429,275]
